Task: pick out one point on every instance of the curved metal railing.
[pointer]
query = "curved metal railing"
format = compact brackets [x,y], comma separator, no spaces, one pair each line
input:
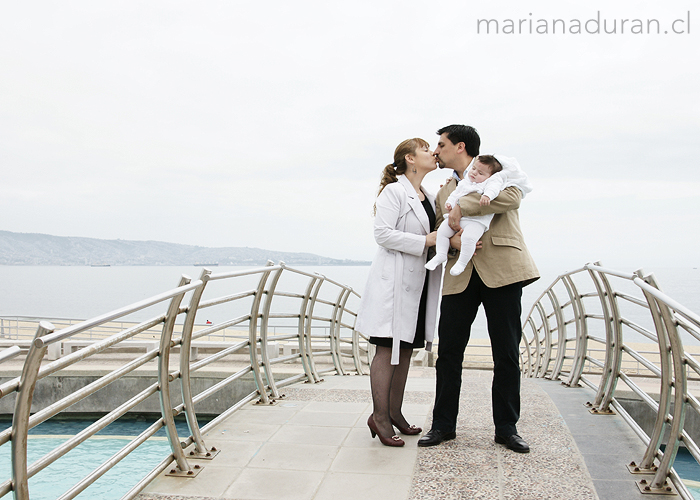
[588,337]
[274,315]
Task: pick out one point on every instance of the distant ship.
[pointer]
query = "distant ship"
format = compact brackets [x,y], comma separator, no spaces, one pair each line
[206,264]
[100,265]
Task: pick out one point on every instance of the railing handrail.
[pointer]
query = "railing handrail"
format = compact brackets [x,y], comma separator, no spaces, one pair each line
[671,362]
[48,336]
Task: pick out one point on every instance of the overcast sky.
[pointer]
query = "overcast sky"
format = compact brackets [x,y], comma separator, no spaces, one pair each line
[267,124]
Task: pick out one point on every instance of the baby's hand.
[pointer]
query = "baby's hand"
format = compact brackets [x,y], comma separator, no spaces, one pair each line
[448,207]
[485,200]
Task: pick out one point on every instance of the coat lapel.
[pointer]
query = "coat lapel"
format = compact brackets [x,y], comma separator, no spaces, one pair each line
[415,203]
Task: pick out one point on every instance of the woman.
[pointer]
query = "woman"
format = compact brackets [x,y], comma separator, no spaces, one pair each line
[399,305]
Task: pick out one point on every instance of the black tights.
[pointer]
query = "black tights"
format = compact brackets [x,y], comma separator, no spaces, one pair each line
[388,382]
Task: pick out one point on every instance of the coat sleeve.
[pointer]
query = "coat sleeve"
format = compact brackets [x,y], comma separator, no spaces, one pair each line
[386,221]
[463,189]
[508,199]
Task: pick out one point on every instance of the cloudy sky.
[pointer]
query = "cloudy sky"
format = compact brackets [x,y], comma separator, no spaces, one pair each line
[267,124]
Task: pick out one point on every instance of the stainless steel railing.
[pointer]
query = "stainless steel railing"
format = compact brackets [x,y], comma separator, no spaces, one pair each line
[321,306]
[562,339]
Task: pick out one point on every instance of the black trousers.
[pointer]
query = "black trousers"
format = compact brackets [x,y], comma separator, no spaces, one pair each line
[502,307]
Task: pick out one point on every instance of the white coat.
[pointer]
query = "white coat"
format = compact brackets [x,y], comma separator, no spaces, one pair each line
[389,306]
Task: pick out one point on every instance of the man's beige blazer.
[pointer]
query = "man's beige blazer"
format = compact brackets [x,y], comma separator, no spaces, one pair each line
[504,258]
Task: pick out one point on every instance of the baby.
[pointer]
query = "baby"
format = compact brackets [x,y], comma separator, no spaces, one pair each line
[488,175]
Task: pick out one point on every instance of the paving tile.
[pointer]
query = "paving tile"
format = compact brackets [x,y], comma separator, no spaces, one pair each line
[347,486]
[310,435]
[294,456]
[270,415]
[266,484]
[416,408]
[231,453]
[212,481]
[241,431]
[360,437]
[325,419]
[623,490]
[332,407]
[377,460]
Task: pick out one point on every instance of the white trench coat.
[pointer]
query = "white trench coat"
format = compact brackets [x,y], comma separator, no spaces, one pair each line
[389,306]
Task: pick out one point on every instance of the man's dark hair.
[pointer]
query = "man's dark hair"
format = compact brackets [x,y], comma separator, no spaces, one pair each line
[463,133]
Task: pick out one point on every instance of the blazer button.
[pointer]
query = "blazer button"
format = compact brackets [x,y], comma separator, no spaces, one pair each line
[410,269]
[408,288]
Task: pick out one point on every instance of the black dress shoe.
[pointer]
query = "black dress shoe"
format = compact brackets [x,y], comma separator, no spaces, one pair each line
[513,442]
[434,437]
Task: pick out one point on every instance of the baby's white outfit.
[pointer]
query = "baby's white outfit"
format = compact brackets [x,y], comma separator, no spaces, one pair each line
[474,227]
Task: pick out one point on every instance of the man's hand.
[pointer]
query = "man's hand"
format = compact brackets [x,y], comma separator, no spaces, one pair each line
[456,241]
[453,219]
[484,201]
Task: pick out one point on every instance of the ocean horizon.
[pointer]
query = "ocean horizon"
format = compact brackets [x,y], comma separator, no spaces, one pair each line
[83,292]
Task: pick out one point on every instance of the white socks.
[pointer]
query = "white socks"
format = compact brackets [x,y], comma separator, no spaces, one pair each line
[436,261]
[458,268]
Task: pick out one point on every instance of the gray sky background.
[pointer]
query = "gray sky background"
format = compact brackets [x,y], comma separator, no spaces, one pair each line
[267,124]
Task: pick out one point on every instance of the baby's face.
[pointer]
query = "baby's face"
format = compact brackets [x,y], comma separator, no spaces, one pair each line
[479,172]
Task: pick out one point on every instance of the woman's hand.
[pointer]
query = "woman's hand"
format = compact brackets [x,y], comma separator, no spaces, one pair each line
[430,239]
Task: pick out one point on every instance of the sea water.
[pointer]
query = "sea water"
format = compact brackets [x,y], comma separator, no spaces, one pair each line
[82,292]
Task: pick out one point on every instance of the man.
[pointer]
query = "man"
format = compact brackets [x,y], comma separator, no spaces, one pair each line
[494,277]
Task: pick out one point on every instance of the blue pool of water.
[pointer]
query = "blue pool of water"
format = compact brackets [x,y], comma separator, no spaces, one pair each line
[60,476]
[689,469]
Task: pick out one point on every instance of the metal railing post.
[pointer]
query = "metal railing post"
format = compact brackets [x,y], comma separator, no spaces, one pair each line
[562,340]
[542,358]
[678,384]
[264,324]
[20,419]
[656,436]
[200,450]
[581,332]
[606,297]
[334,330]
[301,330]
[307,331]
[253,333]
[529,346]
[164,379]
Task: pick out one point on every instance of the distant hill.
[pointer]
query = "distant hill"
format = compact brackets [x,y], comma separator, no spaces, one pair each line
[46,250]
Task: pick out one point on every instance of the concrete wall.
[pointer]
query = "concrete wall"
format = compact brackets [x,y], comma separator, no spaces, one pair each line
[53,388]
[646,417]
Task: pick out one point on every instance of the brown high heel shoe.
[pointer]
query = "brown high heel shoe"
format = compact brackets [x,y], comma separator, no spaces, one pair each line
[392,441]
[411,430]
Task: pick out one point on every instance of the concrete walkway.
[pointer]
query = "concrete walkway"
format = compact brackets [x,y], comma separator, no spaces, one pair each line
[315,444]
